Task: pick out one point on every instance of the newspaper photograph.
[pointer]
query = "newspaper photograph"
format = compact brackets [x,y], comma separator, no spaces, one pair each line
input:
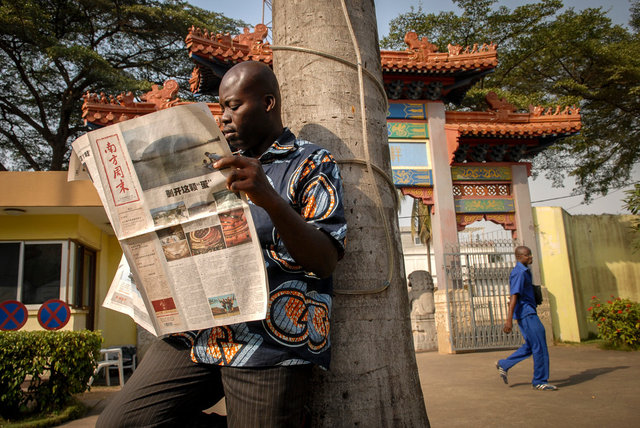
[191,248]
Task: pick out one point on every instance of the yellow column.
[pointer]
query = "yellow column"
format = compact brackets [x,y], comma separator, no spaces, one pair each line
[556,273]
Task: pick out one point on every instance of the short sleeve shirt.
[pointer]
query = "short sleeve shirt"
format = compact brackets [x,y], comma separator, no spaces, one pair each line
[296,330]
[520,283]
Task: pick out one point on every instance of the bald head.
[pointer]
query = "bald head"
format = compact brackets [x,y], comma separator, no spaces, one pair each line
[254,77]
[523,255]
[250,98]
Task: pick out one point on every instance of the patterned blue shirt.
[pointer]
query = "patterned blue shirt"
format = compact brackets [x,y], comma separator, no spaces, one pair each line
[296,330]
[520,283]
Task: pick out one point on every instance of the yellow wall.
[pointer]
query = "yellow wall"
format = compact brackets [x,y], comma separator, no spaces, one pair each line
[47,194]
[46,189]
[45,227]
[117,328]
[555,271]
[583,256]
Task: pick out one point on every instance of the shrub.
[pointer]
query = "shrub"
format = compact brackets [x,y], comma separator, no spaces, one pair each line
[618,321]
[54,364]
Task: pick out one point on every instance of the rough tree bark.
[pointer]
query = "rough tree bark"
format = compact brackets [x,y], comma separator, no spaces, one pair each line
[373,381]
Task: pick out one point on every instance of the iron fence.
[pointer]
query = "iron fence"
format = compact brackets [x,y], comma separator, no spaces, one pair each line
[477,290]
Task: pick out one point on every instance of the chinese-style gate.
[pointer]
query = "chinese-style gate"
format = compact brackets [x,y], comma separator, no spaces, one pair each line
[467,166]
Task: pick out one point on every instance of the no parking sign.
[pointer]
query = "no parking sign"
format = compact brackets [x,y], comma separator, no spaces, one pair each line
[13,315]
[54,314]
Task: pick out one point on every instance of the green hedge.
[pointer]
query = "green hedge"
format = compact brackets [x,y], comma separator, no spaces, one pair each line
[58,364]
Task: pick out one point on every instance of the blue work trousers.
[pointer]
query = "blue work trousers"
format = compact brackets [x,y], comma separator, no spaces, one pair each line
[535,344]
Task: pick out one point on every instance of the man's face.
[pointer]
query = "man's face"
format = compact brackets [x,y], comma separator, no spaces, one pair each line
[526,258]
[244,118]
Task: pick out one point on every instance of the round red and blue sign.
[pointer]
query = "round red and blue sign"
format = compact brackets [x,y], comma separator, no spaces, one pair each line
[54,314]
[13,315]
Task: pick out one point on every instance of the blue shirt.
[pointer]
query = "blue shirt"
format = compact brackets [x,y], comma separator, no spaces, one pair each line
[520,283]
[296,330]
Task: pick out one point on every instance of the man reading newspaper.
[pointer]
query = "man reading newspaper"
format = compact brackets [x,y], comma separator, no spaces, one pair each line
[262,368]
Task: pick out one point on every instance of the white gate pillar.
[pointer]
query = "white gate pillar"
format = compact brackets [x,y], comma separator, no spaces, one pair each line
[443,218]
[524,216]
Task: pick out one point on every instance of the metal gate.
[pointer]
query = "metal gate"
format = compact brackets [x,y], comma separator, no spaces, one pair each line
[477,290]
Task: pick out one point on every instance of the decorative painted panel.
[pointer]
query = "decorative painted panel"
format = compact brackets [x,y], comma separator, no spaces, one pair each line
[481,173]
[464,220]
[412,177]
[423,193]
[409,154]
[507,220]
[487,205]
[492,189]
[410,130]
[407,111]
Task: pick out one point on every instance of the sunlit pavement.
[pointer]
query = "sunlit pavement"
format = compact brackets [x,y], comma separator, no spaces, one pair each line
[597,388]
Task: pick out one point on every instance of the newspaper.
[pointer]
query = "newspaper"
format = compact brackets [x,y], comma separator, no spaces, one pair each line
[191,256]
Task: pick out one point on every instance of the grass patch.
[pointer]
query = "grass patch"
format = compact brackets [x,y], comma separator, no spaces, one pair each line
[616,347]
[74,410]
[599,343]
[587,342]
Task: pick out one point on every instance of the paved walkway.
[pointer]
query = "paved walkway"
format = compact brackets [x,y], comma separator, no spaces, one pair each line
[597,389]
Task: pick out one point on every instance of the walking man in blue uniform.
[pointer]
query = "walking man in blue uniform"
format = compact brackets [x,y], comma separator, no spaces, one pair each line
[522,307]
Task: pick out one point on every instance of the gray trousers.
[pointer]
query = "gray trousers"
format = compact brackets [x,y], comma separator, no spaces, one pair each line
[168,389]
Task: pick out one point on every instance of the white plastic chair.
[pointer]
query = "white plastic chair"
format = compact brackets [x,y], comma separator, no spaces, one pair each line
[128,357]
[111,357]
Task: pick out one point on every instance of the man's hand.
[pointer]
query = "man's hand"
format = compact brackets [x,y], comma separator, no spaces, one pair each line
[246,174]
[310,247]
[508,325]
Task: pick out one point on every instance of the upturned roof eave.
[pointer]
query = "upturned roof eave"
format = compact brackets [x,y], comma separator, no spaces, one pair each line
[503,120]
[419,59]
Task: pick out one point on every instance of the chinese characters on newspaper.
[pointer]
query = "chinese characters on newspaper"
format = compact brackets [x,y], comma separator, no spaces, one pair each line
[191,259]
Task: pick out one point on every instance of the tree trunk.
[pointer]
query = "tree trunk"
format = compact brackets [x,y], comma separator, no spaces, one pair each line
[373,381]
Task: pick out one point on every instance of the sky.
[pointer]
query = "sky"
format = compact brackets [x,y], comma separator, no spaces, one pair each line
[542,193]
[250,11]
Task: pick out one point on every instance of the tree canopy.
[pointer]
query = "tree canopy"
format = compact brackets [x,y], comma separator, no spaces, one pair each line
[54,51]
[550,56]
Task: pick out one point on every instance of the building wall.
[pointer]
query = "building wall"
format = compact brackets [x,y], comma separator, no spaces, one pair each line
[53,210]
[604,264]
[50,227]
[415,255]
[116,328]
[583,256]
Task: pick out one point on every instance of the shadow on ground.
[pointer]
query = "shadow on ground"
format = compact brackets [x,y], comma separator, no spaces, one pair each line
[587,375]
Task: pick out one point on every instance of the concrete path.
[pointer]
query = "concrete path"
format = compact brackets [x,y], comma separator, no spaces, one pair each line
[597,389]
